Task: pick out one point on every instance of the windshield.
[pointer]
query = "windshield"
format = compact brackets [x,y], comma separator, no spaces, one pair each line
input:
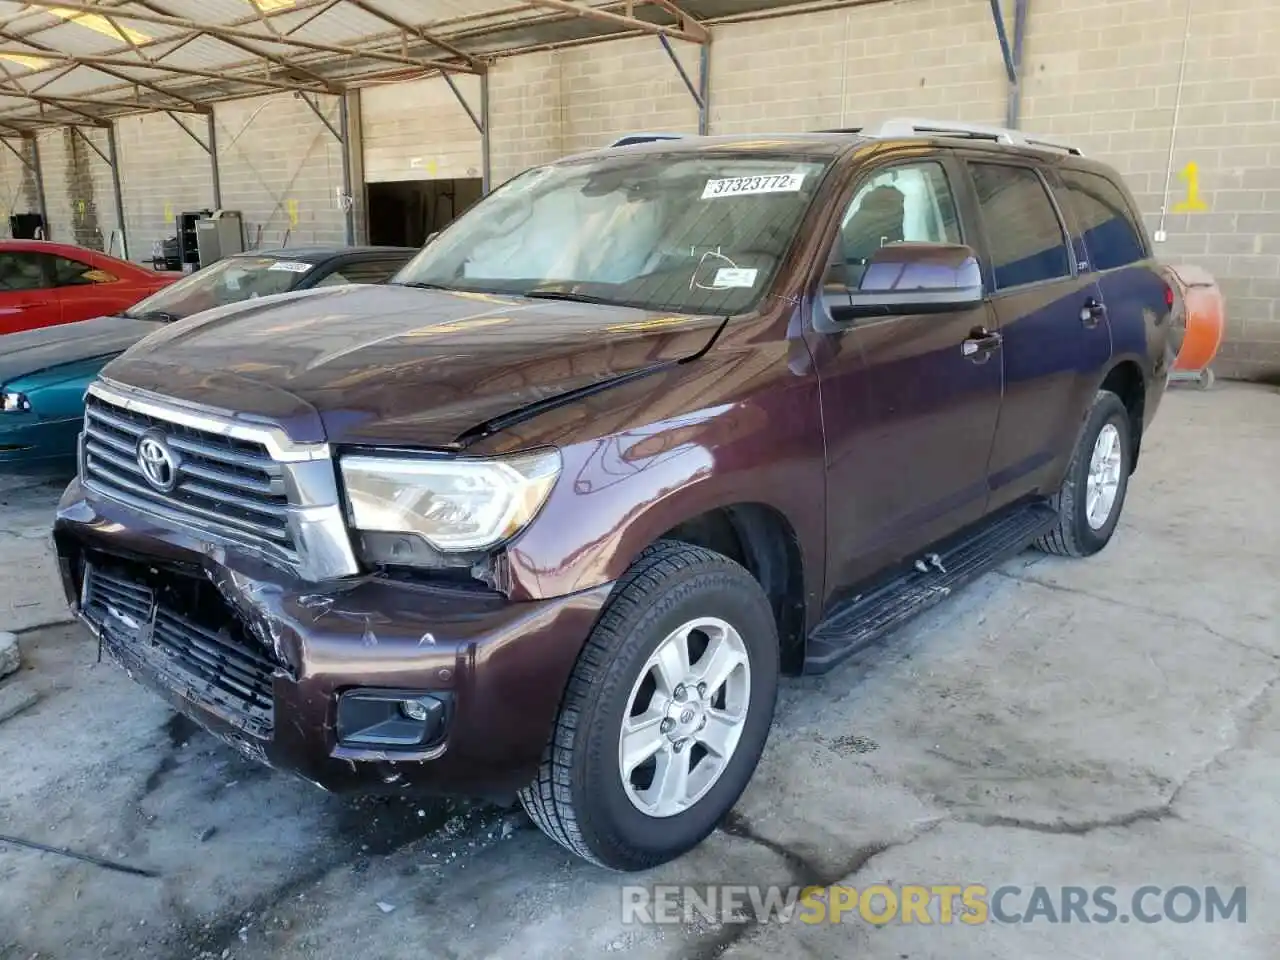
[225,281]
[696,233]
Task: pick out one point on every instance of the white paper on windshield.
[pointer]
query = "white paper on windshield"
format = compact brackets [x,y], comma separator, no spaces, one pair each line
[293,266]
[735,277]
[739,186]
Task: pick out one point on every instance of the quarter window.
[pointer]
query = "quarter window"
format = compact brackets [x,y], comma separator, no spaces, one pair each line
[1024,233]
[1111,233]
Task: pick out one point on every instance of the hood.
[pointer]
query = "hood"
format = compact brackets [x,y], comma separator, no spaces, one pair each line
[394,365]
[35,351]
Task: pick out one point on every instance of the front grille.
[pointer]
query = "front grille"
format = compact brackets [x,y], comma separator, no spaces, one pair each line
[193,643]
[225,485]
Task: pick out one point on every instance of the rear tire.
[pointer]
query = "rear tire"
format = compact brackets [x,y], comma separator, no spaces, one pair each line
[1092,494]
[591,795]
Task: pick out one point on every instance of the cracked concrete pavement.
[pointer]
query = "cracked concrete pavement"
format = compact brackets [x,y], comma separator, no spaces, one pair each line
[1106,722]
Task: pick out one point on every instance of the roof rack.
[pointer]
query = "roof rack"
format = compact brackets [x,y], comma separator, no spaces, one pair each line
[909,127]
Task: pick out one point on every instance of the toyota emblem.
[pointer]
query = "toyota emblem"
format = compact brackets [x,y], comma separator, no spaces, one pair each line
[158,463]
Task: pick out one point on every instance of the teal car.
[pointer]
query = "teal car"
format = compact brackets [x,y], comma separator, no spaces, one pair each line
[43,376]
[45,372]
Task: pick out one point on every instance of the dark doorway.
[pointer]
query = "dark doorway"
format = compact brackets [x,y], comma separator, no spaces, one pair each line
[404,213]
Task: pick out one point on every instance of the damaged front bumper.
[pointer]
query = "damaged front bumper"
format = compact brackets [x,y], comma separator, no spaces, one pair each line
[367,683]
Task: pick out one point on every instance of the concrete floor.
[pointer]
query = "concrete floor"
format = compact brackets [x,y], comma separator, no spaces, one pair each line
[1112,721]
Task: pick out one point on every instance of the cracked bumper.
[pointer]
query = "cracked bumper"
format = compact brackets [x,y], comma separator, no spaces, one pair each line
[502,665]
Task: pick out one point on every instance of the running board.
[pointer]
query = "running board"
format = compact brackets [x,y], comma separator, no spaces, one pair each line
[868,617]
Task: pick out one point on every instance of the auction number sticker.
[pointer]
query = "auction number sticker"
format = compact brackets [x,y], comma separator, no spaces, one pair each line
[739,186]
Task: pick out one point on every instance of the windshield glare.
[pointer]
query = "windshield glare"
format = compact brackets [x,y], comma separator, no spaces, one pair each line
[225,281]
[690,233]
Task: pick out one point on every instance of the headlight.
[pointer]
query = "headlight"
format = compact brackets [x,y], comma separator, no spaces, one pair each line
[14,402]
[456,505]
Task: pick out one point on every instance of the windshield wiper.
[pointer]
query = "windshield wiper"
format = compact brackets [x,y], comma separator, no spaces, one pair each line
[162,315]
[566,295]
[420,285]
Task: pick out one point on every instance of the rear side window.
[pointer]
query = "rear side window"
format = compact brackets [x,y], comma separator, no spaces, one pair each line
[1111,234]
[364,271]
[1024,233]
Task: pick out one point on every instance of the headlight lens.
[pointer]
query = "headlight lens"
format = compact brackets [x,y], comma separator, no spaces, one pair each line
[455,505]
[14,402]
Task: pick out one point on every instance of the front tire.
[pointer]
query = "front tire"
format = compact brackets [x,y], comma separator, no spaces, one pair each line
[1093,491]
[665,715]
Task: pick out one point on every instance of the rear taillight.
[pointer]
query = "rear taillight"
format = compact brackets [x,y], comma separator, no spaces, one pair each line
[1168,296]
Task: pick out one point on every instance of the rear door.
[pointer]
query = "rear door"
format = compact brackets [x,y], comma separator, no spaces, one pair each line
[27,297]
[908,414]
[1114,246]
[1049,313]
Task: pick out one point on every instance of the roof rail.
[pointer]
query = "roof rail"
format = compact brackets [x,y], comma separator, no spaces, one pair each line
[909,127]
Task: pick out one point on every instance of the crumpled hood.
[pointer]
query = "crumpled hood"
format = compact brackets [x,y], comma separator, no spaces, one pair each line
[395,365]
[31,352]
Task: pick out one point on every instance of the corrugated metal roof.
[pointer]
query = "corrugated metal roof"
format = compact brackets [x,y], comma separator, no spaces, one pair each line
[71,61]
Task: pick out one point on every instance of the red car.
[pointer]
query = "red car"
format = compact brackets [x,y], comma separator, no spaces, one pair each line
[44,283]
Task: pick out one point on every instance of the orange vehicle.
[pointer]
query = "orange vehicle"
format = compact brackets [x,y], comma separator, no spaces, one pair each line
[1204,316]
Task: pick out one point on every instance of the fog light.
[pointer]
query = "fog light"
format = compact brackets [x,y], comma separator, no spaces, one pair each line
[391,719]
[414,709]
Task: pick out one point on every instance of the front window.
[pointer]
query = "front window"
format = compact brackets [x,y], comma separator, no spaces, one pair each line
[697,233]
[225,281]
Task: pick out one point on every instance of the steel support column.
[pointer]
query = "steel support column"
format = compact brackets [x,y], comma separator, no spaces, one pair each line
[704,90]
[348,198]
[479,121]
[701,91]
[486,166]
[114,161]
[215,175]
[1012,55]
[39,178]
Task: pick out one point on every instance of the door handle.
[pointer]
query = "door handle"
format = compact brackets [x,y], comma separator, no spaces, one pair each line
[1092,312]
[980,344]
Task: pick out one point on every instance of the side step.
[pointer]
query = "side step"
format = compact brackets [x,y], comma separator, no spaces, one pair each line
[868,617]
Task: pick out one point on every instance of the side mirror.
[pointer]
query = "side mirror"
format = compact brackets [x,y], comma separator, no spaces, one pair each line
[906,278]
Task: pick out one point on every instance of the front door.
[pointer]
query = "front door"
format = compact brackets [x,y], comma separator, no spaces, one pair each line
[909,412]
[1052,324]
[27,297]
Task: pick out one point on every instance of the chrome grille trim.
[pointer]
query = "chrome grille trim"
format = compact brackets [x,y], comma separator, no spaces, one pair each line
[240,484]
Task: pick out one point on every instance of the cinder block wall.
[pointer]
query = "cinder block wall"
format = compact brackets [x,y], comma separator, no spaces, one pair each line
[78,188]
[545,105]
[163,173]
[1105,73]
[17,185]
[936,58]
[398,145]
[281,168]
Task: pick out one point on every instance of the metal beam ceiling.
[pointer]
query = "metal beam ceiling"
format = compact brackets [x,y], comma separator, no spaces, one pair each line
[83,62]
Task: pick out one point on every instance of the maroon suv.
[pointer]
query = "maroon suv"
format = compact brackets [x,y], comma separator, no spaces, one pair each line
[636,434]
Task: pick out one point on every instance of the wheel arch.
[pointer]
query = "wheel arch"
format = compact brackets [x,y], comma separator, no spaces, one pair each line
[1126,380]
[763,540]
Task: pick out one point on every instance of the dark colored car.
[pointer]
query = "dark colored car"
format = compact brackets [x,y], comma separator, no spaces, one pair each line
[44,372]
[43,284]
[552,511]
